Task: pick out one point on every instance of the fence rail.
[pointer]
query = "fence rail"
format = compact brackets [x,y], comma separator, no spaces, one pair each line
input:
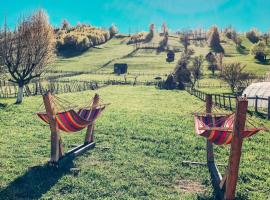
[64,86]
[229,102]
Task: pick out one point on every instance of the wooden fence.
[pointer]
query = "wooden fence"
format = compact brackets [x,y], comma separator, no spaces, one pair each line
[229,102]
[64,86]
[36,88]
[208,85]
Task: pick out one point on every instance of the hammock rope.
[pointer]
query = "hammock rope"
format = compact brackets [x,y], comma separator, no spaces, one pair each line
[68,120]
[219,129]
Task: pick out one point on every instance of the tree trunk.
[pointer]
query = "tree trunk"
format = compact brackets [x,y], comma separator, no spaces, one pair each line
[20,94]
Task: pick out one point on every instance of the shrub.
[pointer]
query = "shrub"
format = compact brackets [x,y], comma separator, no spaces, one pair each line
[253,36]
[181,72]
[212,62]
[259,50]
[136,38]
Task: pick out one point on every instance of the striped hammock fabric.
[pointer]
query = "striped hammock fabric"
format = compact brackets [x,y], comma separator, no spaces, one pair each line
[72,121]
[218,128]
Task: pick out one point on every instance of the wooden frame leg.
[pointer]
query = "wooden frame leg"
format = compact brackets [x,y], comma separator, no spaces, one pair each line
[236,148]
[55,144]
[89,137]
[55,136]
[61,148]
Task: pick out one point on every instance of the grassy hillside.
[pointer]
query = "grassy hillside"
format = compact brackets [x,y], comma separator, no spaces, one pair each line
[147,61]
[142,138]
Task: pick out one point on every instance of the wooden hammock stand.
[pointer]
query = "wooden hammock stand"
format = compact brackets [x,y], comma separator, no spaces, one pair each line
[226,186]
[57,149]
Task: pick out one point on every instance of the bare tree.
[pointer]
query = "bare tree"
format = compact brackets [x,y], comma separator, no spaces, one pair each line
[196,69]
[235,76]
[26,51]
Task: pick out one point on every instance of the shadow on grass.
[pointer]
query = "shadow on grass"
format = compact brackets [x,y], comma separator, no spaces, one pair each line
[3,105]
[35,182]
[267,62]
[242,50]
[68,53]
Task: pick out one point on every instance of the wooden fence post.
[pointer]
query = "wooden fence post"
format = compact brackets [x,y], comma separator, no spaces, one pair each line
[236,148]
[56,150]
[209,145]
[268,113]
[224,101]
[256,104]
[230,103]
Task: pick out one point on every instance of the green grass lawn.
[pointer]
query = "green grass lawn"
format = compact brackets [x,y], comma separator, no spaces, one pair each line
[142,138]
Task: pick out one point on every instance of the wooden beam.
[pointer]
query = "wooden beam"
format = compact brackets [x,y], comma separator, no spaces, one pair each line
[89,137]
[71,154]
[55,137]
[209,145]
[216,129]
[236,148]
[186,162]
[216,179]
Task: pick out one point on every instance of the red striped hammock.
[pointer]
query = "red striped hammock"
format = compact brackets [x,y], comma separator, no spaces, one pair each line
[218,128]
[72,121]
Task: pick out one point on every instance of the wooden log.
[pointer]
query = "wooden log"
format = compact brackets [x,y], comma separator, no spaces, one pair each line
[89,137]
[236,148]
[186,162]
[55,136]
[209,145]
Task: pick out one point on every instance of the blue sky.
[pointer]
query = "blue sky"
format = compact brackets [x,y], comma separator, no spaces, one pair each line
[136,15]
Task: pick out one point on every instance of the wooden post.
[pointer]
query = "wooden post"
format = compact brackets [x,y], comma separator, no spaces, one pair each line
[209,145]
[268,113]
[89,137]
[224,101]
[236,148]
[256,104]
[230,103]
[56,144]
